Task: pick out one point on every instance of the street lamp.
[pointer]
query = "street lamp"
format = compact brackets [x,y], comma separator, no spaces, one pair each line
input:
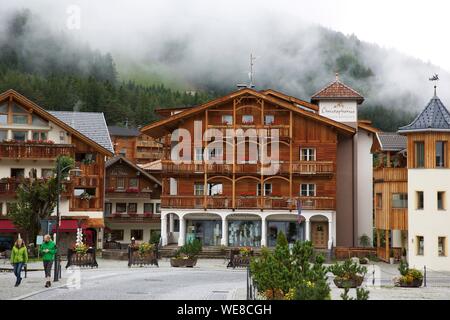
[59,170]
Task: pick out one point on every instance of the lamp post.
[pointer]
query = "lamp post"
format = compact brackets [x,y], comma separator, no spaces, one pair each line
[59,171]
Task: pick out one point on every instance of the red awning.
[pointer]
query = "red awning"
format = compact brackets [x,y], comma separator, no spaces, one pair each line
[67,226]
[6,226]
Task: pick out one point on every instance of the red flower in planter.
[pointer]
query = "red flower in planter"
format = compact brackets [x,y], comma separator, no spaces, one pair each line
[148,214]
[110,189]
[132,190]
[117,214]
[133,214]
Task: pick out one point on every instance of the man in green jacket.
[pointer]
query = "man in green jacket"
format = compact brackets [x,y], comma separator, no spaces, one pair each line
[48,251]
[19,257]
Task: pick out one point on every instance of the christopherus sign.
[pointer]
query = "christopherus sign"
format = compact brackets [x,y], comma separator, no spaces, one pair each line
[339,112]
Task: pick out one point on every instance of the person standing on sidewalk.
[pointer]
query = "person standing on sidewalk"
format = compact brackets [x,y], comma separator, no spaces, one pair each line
[48,251]
[19,257]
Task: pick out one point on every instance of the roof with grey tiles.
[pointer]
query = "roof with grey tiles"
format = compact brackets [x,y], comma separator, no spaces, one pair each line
[435,117]
[123,131]
[90,124]
[391,141]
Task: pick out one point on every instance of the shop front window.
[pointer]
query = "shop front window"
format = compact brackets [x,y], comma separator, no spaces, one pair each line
[244,233]
[209,232]
[292,230]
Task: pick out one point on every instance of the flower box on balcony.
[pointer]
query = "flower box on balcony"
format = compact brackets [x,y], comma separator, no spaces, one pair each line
[110,189]
[40,142]
[132,214]
[117,215]
[132,190]
[248,194]
[148,214]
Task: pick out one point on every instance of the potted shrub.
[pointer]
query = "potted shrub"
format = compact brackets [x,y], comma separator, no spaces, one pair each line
[142,254]
[409,278]
[348,274]
[186,256]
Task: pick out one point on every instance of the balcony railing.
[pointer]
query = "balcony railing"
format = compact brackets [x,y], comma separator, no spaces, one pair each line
[85,205]
[249,202]
[9,187]
[149,155]
[298,167]
[390,174]
[34,151]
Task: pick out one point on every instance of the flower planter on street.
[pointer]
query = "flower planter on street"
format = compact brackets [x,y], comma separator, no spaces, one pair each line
[183,262]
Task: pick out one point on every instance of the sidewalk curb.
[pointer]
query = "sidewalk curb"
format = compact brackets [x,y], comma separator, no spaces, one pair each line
[22,297]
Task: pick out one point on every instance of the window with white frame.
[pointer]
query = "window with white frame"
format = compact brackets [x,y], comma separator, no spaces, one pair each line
[215,189]
[198,154]
[307,154]
[120,183]
[198,189]
[267,189]
[307,190]
[148,207]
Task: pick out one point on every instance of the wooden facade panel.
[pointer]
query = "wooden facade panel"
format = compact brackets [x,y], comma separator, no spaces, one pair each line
[429,139]
[301,133]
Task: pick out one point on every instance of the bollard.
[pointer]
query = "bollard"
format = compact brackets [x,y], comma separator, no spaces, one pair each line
[424,276]
[373,275]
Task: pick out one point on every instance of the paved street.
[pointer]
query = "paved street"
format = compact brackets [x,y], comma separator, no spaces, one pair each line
[114,280]
[208,280]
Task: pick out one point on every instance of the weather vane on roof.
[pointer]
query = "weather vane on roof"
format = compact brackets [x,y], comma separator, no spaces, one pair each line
[435,77]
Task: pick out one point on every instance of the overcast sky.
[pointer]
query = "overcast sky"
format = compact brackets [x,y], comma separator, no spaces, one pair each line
[416,27]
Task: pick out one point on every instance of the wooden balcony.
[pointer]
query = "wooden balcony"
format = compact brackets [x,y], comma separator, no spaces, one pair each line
[85,181]
[149,155]
[298,168]
[390,174]
[249,202]
[78,204]
[134,193]
[34,151]
[147,144]
[92,169]
[9,187]
[283,130]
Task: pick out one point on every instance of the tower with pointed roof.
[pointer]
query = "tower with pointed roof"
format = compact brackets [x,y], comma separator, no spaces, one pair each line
[339,102]
[429,186]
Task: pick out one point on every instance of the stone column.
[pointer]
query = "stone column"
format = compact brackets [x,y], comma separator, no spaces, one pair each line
[182,234]
[263,232]
[330,234]
[171,223]
[307,230]
[224,240]
[164,229]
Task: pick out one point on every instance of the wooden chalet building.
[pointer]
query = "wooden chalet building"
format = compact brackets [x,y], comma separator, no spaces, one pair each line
[325,162]
[137,147]
[31,139]
[391,195]
[132,203]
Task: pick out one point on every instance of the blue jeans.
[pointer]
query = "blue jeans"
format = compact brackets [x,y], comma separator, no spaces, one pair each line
[18,269]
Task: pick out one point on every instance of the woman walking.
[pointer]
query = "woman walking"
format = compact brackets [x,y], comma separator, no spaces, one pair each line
[19,256]
[48,250]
